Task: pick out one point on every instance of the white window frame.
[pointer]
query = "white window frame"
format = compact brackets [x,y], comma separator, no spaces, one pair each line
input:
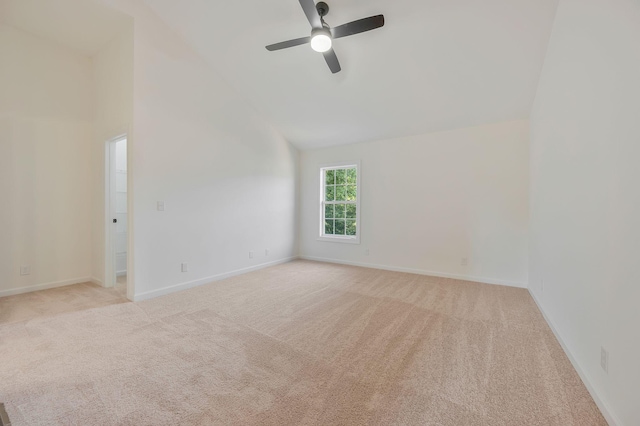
[348,239]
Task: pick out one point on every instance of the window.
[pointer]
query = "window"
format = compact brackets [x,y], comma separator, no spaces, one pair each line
[339,204]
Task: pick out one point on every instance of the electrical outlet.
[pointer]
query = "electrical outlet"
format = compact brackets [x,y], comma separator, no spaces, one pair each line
[266,252]
[250,255]
[604,359]
[464,261]
[366,252]
[25,270]
[160,206]
[185,267]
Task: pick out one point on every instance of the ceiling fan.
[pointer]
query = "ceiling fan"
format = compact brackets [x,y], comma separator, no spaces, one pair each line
[322,35]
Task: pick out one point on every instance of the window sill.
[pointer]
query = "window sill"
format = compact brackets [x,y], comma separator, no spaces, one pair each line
[343,240]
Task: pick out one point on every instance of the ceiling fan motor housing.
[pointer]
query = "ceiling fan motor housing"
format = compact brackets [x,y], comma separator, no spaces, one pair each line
[322,8]
[322,35]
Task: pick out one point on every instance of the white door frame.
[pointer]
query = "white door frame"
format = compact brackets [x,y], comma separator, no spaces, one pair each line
[110,212]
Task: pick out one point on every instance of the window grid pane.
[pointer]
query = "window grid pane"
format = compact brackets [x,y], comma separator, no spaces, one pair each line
[330,177]
[328,227]
[328,211]
[351,227]
[339,206]
[351,192]
[330,191]
[351,176]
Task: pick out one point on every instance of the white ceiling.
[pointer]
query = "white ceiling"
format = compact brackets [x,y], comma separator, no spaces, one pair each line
[436,65]
[83,25]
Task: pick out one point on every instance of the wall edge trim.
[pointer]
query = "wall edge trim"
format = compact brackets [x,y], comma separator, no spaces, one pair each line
[483,280]
[44,286]
[207,280]
[586,379]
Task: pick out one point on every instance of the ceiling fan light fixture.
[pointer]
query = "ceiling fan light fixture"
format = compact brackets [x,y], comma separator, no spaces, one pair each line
[322,35]
[321,40]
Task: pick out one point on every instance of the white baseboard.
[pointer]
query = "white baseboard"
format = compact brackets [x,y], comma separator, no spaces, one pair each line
[97,281]
[187,285]
[45,286]
[483,280]
[602,405]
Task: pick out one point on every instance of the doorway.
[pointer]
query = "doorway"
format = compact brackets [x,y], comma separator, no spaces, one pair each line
[116,212]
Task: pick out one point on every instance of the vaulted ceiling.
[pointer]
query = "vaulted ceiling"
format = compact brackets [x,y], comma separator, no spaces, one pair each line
[83,25]
[435,65]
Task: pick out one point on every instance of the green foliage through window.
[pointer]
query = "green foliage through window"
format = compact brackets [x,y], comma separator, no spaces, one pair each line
[328,211]
[340,201]
[330,177]
[330,193]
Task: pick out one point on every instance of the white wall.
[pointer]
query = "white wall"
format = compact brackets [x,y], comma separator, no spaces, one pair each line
[41,79]
[45,167]
[428,201]
[113,80]
[59,108]
[45,163]
[585,202]
[226,176]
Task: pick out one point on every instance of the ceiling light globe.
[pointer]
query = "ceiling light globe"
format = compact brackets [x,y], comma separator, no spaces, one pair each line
[321,40]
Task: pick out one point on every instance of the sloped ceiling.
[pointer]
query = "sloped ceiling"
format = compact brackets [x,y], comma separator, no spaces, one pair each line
[436,65]
[83,25]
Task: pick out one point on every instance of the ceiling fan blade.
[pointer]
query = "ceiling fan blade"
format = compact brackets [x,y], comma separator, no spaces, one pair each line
[290,43]
[332,61]
[309,7]
[359,26]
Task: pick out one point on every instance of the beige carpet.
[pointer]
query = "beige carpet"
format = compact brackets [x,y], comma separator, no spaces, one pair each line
[121,286]
[55,301]
[298,344]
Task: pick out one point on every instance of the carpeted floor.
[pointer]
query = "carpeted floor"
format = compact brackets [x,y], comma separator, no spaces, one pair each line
[121,286]
[302,343]
[55,301]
